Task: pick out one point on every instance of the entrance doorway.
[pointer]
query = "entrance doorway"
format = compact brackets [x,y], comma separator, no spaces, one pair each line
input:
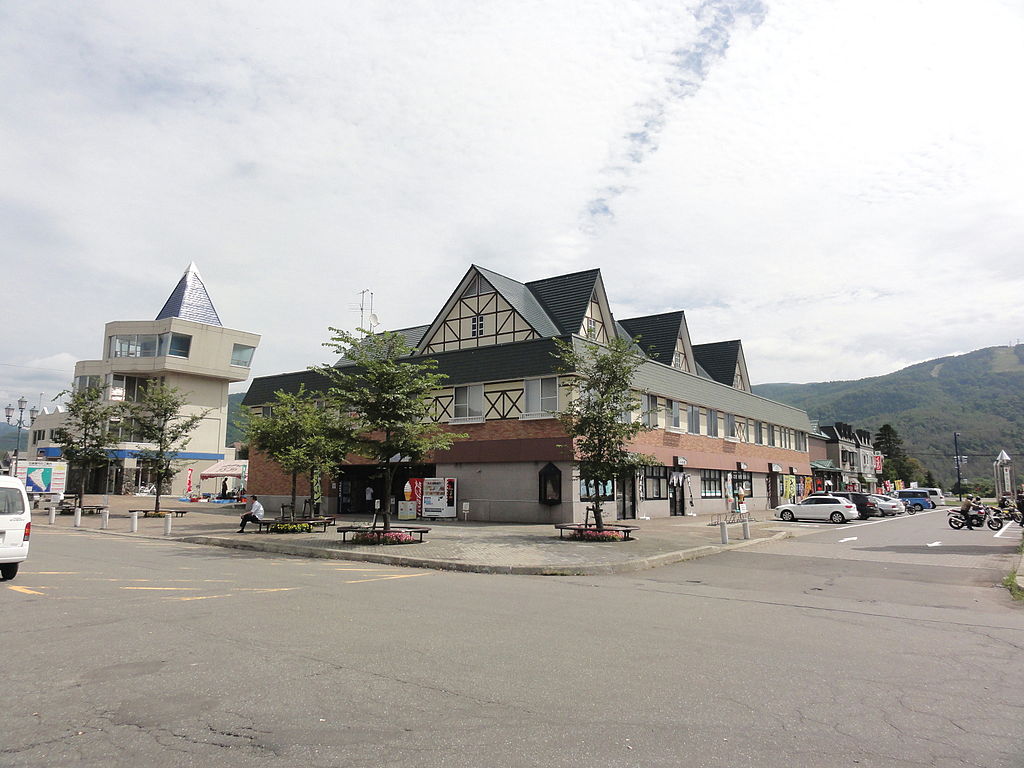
[625,497]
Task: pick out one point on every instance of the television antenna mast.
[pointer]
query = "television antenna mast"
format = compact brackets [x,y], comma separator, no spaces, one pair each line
[365,306]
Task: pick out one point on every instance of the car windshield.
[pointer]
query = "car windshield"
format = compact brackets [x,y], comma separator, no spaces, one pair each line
[11,502]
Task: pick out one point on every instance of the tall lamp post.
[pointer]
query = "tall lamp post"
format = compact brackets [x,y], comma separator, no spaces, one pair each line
[959,478]
[20,423]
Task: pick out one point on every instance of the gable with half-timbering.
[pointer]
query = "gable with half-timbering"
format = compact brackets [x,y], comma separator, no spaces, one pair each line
[479,317]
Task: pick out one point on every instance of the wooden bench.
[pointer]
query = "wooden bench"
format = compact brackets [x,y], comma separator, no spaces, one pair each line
[269,523]
[412,530]
[625,530]
[163,512]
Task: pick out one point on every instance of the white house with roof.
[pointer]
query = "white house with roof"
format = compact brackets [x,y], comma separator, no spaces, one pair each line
[187,347]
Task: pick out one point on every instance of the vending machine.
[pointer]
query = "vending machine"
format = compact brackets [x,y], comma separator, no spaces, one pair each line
[439,496]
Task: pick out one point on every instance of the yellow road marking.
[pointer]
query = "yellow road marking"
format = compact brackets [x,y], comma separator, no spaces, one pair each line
[165,589]
[268,589]
[54,573]
[197,597]
[26,591]
[385,578]
[363,570]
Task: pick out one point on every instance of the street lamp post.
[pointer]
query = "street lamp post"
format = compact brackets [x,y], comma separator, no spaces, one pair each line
[9,413]
[956,453]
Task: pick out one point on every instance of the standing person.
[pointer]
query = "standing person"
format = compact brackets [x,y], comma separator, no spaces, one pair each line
[224,488]
[254,514]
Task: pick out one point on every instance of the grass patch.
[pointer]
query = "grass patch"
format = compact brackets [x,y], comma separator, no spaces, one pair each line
[1010,582]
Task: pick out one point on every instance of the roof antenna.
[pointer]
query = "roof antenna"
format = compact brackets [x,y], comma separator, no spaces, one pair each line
[363,309]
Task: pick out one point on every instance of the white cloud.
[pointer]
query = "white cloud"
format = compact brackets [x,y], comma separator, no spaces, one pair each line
[844,173]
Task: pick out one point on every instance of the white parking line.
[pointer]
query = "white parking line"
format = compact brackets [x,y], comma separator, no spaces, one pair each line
[1003,530]
[889,519]
[934,544]
[848,538]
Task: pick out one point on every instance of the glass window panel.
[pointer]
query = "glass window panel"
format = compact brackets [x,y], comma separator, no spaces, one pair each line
[241,355]
[180,345]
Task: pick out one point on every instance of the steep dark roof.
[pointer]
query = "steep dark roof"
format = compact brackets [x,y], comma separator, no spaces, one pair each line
[565,298]
[658,334]
[190,301]
[719,359]
[522,300]
[517,360]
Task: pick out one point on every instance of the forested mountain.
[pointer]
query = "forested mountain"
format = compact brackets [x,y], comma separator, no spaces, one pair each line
[979,394]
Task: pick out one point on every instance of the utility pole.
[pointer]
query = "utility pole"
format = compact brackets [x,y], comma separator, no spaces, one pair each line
[959,478]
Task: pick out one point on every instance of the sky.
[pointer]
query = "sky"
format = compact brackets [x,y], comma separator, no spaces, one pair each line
[835,182]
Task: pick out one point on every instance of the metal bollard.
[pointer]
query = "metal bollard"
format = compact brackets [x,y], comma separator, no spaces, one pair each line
[104,518]
[725,532]
[135,521]
[167,523]
[53,514]
[746,529]
[78,517]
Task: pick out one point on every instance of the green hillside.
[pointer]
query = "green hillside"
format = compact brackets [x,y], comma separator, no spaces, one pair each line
[979,394]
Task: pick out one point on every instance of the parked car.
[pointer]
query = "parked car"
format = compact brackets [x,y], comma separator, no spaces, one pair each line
[916,497]
[935,494]
[866,507]
[887,505]
[15,526]
[819,507]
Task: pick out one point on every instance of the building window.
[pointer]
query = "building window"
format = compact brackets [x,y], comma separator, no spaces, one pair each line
[758,433]
[550,479]
[655,482]
[592,490]
[476,325]
[83,383]
[679,360]
[742,481]
[541,395]
[693,419]
[241,355]
[771,434]
[469,402]
[126,388]
[649,403]
[673,414]
[801,441]
[710,484]
[133,345]
[267,411]
[730,425]
[712,422]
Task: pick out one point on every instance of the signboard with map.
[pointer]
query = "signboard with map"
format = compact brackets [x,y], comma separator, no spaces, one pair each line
[43,476]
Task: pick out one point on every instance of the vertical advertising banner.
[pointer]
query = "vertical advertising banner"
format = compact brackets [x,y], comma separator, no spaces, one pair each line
[413,493]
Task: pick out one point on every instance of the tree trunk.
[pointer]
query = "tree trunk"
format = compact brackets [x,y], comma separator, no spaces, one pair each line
[389,475]
[598,519]
[295,480]
[81,489]
[159,488]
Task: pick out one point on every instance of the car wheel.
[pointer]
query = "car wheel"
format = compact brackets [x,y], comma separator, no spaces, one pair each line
[837,517]
[861,515]
[788,516]
[9,570]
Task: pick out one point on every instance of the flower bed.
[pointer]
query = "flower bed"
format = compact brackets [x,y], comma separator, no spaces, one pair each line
[391,537]
[589,534]
[291,528]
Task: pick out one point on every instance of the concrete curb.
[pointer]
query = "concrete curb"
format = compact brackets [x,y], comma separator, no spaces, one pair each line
[591,569]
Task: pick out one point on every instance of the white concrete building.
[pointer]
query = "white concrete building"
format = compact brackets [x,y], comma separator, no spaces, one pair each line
[186,347]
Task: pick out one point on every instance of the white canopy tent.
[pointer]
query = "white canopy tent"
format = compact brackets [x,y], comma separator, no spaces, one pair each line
[225,468]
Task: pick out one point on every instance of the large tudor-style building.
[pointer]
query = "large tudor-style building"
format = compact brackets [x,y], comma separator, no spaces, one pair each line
[494,340]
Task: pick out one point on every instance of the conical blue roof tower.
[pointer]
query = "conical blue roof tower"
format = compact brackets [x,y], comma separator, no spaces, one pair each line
[190,301]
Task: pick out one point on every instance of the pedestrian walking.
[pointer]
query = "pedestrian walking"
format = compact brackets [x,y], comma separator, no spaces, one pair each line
[253,515]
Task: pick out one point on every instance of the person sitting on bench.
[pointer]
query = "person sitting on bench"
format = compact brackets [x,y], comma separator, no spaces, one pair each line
[254,514]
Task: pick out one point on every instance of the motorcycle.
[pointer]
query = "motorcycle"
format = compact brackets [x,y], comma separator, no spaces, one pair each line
[979,517]
[909,508]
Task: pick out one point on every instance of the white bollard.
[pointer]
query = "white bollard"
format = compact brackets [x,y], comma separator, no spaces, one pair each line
[135,520]
[78,517]
[53,514]
[746,529]
[104,518]
[725,532]
[167,523]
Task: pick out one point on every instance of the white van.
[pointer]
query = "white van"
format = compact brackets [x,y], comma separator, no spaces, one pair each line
[15,526]
[935,494]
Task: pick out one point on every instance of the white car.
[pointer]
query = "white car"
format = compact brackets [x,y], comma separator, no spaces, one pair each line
[887,505]
[818,508]
[15,526]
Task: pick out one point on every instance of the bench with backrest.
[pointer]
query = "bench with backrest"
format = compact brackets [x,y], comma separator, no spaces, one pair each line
[625,530]
[270,522]
[412,530]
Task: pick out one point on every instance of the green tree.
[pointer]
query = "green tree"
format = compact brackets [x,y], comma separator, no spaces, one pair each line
[929,480]
[85,438]
[158,420]
[388,396]
[302,436]
[596,418]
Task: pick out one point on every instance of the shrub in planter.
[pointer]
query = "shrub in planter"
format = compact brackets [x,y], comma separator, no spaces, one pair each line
[391,537]
[291,528]
[590,535]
